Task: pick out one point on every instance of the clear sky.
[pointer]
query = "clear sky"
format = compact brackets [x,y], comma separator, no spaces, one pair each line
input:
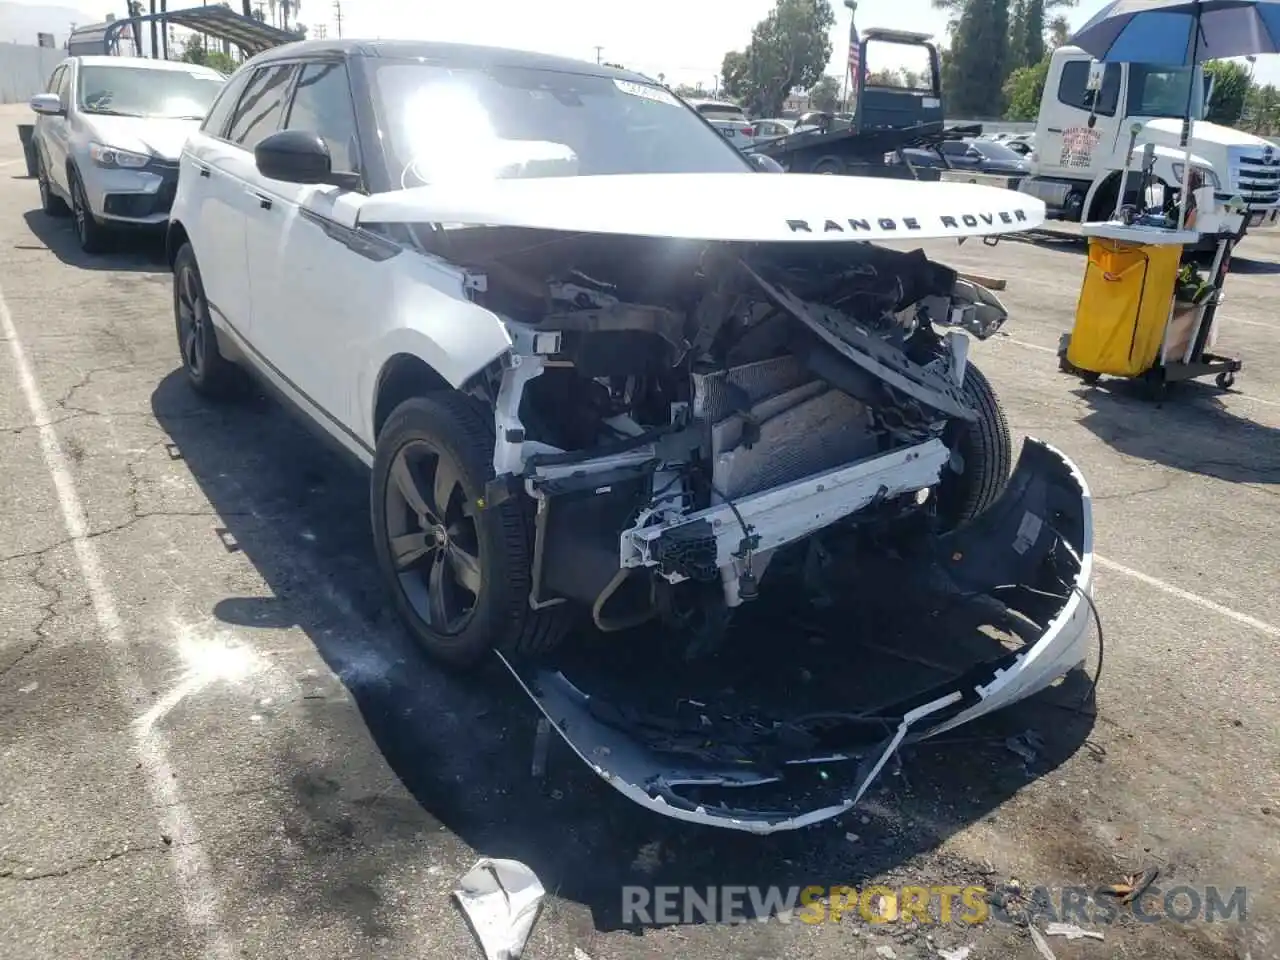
[683,39]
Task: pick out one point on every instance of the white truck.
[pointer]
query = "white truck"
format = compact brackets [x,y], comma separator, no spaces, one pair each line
[1087,113]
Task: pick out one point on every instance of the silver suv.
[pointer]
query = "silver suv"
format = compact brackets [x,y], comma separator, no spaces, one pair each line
[108,136]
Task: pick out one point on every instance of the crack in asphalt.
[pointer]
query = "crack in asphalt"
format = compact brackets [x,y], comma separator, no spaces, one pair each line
[65,400]
[125,524]
[9,873]
[48,613]
[76,412]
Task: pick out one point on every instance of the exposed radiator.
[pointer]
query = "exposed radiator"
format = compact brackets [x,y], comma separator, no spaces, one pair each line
[805,426]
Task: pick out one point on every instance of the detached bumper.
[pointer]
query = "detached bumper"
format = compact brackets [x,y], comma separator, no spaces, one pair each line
[1039,536]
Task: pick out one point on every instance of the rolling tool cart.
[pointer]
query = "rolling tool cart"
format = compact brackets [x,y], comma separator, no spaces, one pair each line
[1143,314]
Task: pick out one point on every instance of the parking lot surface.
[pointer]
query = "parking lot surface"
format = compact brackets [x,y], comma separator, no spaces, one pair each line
[216,742]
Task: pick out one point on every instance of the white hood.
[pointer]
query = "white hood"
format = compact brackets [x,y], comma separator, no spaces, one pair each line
[744,207]
[1168,133]
[164,138]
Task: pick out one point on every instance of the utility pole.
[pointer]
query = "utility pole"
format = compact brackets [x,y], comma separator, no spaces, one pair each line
[337,15]
[598,49]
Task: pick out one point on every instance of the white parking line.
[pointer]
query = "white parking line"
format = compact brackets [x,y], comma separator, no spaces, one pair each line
[1248,323]
[10,163]
[1029,346]
[194,874]
[1260,625]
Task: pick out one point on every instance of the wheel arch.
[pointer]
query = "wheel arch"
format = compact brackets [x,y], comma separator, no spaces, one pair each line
[174,237]
[402,377]
[1101,188]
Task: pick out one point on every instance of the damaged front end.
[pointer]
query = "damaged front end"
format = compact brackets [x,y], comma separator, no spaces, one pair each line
[718,440]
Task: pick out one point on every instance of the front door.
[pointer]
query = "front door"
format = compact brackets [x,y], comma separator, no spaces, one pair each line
[54,131]
[315,283]
[221,157]
[1066,144]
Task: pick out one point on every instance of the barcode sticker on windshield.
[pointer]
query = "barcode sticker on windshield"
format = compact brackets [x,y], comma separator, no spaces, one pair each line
[646,92]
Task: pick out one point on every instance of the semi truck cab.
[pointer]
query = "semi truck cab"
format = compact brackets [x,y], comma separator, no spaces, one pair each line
[1087,112]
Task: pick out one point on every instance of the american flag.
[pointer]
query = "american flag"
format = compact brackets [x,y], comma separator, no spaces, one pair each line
[855,59]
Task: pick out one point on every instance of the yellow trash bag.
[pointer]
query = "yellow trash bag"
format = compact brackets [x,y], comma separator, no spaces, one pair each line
[1123,307]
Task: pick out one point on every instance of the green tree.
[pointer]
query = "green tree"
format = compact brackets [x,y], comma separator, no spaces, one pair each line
[1017,35]
[1262,110]
[975,73]
[1230,88]
[1023,90]
[789,49]
[195,50]
[1059,32]
[825,95]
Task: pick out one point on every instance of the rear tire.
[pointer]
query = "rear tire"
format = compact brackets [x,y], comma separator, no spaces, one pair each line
[986,450]
[460,576]
[209,373]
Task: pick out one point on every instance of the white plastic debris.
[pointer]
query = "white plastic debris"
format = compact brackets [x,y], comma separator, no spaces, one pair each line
[1042,945]
[501,898]
[1071,931]
[886,952]
[959,953]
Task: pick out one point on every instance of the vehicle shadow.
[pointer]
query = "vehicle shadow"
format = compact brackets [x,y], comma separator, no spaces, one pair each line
[462,745]
[1253,266]
[1191,430]
[129,251]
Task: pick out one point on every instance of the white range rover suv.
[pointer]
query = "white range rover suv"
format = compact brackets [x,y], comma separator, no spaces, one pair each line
[605,371]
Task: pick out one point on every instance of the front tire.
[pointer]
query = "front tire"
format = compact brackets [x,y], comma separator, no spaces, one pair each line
[986,454]
[459,574]
[209,373]
[52,204]
[92,235]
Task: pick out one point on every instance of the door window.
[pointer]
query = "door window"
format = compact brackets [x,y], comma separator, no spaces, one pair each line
[322,105]
[1073,87]
[55,79]
[215,123]
[257,115]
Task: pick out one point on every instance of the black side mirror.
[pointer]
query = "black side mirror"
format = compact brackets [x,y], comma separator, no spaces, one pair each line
[299,156]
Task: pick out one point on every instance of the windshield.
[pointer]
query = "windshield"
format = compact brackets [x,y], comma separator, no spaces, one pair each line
[1162,91]
[447,124]
[140,92]
[996,151]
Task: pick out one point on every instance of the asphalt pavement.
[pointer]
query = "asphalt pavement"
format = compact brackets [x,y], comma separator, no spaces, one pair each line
[215,741]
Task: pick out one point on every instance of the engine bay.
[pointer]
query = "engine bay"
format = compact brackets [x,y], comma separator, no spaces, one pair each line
[699,428]
[678,411]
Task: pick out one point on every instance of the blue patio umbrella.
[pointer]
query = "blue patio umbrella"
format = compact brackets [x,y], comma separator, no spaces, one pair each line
[1165,31]
[1181,33]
